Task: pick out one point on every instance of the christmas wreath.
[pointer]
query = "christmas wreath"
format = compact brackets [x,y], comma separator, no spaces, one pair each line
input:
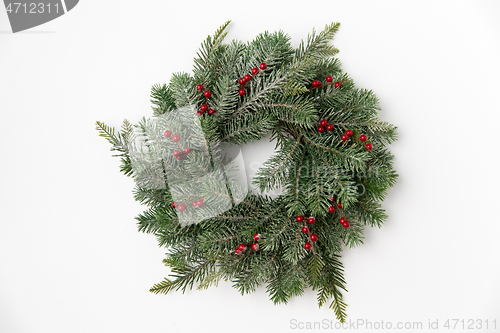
[331,164]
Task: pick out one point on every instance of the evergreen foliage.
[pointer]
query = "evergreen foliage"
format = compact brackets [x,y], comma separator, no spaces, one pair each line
[309,166]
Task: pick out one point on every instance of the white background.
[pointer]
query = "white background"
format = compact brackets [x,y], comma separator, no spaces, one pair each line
[71,259]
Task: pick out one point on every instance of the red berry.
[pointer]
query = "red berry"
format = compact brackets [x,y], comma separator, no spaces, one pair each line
[199,113]
[187,150]
[195,204]
[263,65]
[247,77]
[181,207]
[329,127]
[329,78]
[312,220]
[211,111]
[363,138]
[316,83]
[237,251]
[300,218]
[331,209]
[314,237]
[323,122]
[179,158]
[344,137]
[207,94]
[342,220]
[346,224]
[333,198]
[305,230]
[339,204]
[242,92]
[199,203]
[242,81]
[203,107]
[167,134]
[199,87]
[369,146]
[255,247]
[348,132]
[337,84]
[307,245]
[177,153]
[256,237]
[255,70]
[173,204]
[242,247]
[321,129]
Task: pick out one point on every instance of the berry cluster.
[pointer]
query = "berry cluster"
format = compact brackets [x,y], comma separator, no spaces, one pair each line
[198,203]
[329,127]
[344,222]
[362,138]
[182,207]
[331,209]
[204,108]
[306,230]
[329,80]
[243,80]
[346,136]
[243,247]
[177,153]
[324,124]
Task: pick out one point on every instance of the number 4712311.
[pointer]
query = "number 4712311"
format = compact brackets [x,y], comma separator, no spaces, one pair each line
[32,8]
[470,324]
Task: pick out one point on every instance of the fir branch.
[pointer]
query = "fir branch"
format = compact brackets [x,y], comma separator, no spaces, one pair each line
[317,45]
[185,277]
[276,287]
[260,95]
[274,171]
[328,285]
[351,160]
[212,279]
[250,128]
[119,142]
[315,264]
[209,47]
[163,287]
[338,306]
[294,199]
[296,111]
[182,86]
[162,99]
